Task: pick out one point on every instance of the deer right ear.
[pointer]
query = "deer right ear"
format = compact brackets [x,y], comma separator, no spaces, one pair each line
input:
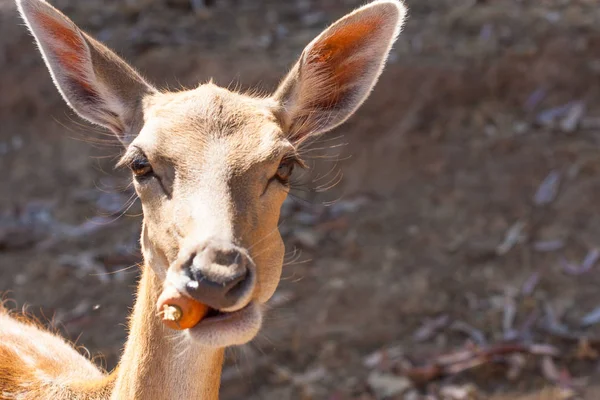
[338,69]
[94,81]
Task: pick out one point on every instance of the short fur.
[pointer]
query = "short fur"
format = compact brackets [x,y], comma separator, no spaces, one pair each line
[215,155]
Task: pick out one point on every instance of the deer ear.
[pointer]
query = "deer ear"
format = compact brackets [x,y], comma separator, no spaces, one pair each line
[94,81]
[338,69]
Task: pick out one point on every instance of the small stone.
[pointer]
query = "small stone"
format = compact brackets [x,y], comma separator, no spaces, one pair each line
[386,385]
[466,392]
[306,238]
[573,117]
[520,127]
[412,395]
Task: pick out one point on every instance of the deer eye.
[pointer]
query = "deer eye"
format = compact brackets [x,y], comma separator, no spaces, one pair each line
[141,168]
[284,171]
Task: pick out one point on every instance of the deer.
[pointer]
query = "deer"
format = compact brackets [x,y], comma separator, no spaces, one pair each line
[212,168]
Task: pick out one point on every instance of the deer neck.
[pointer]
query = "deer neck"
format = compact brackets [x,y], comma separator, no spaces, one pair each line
[159,363]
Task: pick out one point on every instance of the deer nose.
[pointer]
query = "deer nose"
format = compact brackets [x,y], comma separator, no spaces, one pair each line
[218,275]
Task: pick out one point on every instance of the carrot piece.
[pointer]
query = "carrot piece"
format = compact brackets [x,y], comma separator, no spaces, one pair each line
[178,311]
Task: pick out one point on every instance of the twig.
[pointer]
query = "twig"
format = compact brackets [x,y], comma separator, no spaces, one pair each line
[463,360]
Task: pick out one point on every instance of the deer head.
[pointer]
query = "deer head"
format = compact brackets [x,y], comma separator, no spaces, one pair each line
[212,166]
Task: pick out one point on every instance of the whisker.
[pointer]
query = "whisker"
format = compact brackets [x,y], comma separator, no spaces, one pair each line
[84,126]
[325,139]
[327,158]
[302,189]
[137,265]
[332,202]
[292,252]
[299,199]
[313,149]
[119,188]
[287,264]
[291,278]
[296,255]
[131,202]
[331,184]
[267,235]
[317,179]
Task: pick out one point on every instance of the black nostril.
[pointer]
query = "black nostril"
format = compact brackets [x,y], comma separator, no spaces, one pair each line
[199,278]
[235,283]
[229,257]
[218,275]
[217,294]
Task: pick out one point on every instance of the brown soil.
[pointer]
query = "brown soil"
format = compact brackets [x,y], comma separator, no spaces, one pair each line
[442,162]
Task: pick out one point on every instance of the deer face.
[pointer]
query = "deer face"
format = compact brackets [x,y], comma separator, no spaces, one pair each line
[211,166]
[212,170]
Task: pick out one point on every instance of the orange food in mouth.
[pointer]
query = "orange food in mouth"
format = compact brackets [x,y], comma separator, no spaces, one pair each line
[178,311]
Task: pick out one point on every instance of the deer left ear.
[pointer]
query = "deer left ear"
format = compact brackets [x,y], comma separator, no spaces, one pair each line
[338,69]
[94,81]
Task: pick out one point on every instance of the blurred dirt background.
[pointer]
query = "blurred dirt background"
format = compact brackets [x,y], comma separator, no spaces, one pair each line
[456,256]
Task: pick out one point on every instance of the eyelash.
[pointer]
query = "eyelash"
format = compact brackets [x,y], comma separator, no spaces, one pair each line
[288,163]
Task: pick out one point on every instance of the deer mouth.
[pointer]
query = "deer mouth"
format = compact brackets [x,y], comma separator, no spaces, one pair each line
[215,316]
[224,328]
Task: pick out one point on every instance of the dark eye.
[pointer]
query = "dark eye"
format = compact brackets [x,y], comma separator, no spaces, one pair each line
[141,168]
[284,171]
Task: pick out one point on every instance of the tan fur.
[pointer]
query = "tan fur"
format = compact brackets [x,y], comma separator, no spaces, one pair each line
[215,155]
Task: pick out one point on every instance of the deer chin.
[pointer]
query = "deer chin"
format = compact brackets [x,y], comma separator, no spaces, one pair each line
[222,329]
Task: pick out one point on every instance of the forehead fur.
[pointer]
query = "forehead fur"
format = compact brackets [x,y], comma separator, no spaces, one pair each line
[180,122]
